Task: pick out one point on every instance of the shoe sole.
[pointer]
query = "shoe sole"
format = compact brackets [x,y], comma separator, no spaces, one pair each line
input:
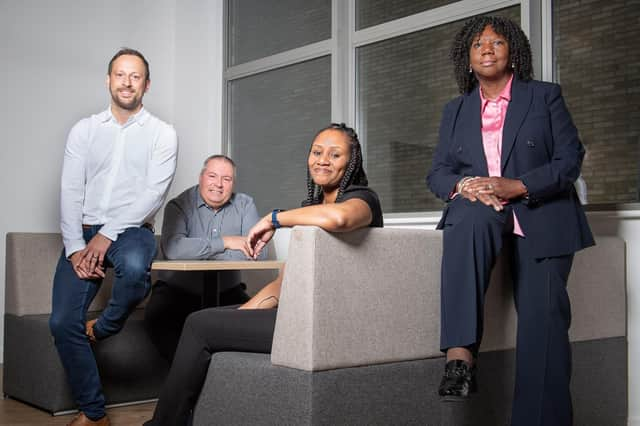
[454,398]
[458,398]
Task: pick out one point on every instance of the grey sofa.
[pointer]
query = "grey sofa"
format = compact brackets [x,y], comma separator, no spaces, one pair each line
[357,334]
[130,367]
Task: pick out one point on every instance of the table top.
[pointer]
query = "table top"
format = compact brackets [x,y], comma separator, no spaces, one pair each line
[214,265]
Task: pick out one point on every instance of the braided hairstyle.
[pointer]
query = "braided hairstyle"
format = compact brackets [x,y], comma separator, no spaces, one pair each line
[519,49]
[354,174]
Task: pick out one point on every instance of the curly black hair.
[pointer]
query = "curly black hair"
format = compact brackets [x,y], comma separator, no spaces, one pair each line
[353,175]
[519,49]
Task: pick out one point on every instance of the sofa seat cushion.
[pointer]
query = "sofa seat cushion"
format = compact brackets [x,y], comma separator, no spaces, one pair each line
[245,388]
[131,369]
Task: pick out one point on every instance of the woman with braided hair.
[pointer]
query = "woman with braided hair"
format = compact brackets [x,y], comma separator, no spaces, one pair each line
[338,200]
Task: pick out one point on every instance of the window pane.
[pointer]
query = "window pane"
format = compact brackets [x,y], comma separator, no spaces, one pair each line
[403,84]
[598,65]
[259,28]
[374,12]
[274,116]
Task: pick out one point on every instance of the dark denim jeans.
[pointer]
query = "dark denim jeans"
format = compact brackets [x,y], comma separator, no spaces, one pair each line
[130,256]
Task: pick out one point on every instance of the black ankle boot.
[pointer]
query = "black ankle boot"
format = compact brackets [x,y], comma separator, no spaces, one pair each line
[458,381]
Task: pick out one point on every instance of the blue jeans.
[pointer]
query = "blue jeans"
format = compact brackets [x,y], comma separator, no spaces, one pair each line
[130,256]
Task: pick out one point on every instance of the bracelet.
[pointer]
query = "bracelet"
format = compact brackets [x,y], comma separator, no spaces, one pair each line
[462,182]
[526,194]
[274,218]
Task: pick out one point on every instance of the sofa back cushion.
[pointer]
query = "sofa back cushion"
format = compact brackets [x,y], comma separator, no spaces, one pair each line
[31,260]
[597,291]
[364,297]
[373,296]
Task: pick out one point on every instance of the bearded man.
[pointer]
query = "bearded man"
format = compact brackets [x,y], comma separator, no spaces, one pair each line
[118,166]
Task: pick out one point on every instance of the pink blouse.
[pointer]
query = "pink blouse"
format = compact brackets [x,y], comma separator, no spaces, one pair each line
[493,112]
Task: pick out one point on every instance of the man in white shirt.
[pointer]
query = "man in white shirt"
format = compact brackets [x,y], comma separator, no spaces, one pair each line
[118,166]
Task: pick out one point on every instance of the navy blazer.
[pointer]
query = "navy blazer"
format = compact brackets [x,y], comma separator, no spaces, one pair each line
[540,146]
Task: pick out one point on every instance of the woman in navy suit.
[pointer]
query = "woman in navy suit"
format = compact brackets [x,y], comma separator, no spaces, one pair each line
[505,164]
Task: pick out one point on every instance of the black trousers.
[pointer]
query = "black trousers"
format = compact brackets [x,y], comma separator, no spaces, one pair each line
[170,305]
[473,236]
[206,332]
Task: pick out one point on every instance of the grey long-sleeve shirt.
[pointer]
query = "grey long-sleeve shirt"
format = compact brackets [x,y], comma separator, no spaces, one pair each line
[193,230]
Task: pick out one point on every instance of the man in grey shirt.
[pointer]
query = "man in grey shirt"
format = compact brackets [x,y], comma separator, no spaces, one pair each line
[207,221]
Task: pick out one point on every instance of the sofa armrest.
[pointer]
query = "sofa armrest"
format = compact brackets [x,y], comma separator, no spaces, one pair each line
[364,297]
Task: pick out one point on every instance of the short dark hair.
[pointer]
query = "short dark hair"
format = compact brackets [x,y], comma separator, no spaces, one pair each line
[129,51]
[519,49]
[354,174]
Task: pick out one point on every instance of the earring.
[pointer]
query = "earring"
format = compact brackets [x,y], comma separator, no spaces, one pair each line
[470,70]
[513,66]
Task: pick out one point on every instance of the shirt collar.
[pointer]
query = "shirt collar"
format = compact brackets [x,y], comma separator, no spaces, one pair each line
[504,94]
[139,117]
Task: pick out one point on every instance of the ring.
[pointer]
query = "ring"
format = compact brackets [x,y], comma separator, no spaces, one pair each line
[489,186]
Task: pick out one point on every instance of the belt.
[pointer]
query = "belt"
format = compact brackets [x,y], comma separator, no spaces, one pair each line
[144,225]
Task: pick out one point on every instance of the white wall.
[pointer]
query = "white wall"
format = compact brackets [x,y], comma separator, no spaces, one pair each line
[53,61]
[197,86]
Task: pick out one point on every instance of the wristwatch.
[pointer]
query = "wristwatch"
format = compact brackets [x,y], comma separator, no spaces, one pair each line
[274,218]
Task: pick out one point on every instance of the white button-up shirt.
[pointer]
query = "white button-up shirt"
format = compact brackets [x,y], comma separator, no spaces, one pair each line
[115,175]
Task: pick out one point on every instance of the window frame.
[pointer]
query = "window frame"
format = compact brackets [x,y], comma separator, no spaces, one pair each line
[345,40]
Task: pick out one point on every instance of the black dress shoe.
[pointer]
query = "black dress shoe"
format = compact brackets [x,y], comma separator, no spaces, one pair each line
[458,381]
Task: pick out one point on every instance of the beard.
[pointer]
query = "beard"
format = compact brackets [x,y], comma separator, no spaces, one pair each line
[130,104]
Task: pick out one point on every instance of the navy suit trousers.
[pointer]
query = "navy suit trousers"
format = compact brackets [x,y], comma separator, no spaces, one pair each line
[473,237]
